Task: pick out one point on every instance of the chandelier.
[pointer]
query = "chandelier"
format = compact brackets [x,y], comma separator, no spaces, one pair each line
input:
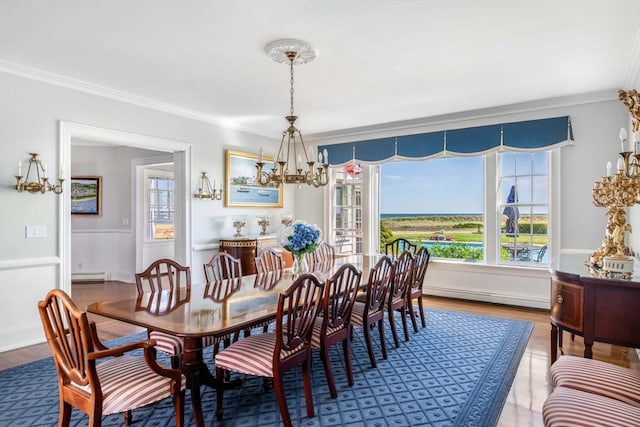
[293,164]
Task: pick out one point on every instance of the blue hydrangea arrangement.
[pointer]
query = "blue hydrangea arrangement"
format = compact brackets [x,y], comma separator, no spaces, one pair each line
[299,237]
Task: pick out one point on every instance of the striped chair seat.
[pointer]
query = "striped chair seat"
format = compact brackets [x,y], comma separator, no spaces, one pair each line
[173,345]
[317,327]
[570,407]
[594,376]
[357,313]
[127,383]
[252,355]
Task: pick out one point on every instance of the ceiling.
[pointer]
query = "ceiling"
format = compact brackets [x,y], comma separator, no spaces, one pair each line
[379,62]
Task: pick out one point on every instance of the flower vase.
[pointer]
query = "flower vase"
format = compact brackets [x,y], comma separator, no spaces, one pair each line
[299,265]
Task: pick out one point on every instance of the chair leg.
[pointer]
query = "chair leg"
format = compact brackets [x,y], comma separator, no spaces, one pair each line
[405,325]
[421,307]
[128,417]
[278,389]
[324,356]
[347,360]
[64,417]
[178,404]
[175,361]
[412,314]
[219,392]
[367,340]
[392,323]
[308,395]
[383,345]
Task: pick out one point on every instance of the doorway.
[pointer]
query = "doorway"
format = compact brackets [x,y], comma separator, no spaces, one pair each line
[181,156]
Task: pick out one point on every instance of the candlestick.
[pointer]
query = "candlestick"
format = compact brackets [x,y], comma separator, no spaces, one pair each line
[260,155]
[608,169]
[620,165]
[326,156]
[19,168]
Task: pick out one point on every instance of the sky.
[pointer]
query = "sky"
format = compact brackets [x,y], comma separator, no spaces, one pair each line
[450,185]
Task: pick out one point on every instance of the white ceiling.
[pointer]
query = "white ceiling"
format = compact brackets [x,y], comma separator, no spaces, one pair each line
[379,61]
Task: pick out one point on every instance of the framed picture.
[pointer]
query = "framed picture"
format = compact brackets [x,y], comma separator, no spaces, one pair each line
[241,187]
[86,195]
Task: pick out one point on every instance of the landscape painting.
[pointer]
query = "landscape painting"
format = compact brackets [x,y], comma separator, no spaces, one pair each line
[86,195]
[241,186]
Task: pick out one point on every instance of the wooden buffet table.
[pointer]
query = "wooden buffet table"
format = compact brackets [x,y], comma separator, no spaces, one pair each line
[597,308]
[246,248]
[197,314]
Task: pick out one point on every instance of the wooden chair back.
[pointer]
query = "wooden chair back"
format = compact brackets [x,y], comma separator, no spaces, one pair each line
[163,274]
[340,294]
[402,275]
[297,310]
[269,260]
[422,258]
[378,285]
[396,247]
[222,266]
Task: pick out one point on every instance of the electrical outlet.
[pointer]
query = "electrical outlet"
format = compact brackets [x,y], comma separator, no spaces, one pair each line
[35,231]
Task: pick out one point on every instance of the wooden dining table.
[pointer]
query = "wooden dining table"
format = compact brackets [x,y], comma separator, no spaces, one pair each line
[198,313]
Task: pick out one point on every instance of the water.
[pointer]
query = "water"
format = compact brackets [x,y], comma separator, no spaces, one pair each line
[259,195]
[419,215]
[429,243]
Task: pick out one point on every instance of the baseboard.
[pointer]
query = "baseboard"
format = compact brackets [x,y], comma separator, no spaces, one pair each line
[513,300]
[100,276]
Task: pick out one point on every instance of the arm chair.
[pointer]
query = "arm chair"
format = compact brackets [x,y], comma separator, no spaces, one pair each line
[118,384]
[415,291]
[222,266]
[396,247]
[334,325]
[269,260]
[402,275]
[272,354]
[367,313]
[165,276]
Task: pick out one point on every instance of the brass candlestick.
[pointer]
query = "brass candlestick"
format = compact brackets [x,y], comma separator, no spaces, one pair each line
[263,222]
[239,221]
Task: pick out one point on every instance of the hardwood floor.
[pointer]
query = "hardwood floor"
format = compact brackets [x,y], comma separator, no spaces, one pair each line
[524,402]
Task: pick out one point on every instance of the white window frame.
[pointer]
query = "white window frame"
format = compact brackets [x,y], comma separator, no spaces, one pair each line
[149,173]
[371,211]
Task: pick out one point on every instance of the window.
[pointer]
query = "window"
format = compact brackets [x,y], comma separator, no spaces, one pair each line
[347,209]
[445,203]
[436,203]
[523,206]
[159,206]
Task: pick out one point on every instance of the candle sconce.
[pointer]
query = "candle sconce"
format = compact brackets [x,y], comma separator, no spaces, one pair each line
[36,182]
[239,221]
[206,190]
[286,219]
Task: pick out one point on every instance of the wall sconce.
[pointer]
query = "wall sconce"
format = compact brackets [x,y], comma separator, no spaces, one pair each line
[206,190]
[41,184]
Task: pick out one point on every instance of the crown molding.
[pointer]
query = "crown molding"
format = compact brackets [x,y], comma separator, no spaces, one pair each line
[407,127]
[118,95]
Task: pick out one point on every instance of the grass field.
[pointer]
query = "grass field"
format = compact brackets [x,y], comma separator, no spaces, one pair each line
[460,228]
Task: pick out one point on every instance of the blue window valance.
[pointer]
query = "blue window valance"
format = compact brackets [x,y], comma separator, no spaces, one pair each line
[527,136]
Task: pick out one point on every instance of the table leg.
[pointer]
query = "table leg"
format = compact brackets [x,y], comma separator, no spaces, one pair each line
[588,347]
[554,343]
[196,371]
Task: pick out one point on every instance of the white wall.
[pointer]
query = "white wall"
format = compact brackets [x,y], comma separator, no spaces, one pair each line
[30,112]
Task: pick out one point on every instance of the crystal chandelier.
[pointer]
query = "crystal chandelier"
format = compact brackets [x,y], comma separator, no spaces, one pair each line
[292,164]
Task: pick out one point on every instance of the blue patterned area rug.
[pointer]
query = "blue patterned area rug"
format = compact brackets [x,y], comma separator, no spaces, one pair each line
[455,372]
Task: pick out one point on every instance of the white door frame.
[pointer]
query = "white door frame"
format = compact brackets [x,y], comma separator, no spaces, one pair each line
[69,130]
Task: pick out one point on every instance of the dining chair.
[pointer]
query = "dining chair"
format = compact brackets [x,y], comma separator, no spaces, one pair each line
[222,266]
[322,259]
[422,258]
[402,274]
[371,310]
[397,246]
[334,325]
[269,260]
[272,354]
[162,279]
[118,384]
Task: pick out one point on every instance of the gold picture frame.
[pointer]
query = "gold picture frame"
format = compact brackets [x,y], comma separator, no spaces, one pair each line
[86,195]
[241,187]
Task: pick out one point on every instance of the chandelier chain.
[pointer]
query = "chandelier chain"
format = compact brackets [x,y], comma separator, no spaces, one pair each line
[291,90]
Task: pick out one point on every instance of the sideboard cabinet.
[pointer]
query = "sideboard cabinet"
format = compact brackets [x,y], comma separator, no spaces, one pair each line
[600,309]
[246,248]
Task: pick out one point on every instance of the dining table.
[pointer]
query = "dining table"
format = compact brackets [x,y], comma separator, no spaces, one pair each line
[197,312]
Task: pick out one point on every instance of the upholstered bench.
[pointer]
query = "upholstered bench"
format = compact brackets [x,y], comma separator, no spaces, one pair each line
[590,392]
